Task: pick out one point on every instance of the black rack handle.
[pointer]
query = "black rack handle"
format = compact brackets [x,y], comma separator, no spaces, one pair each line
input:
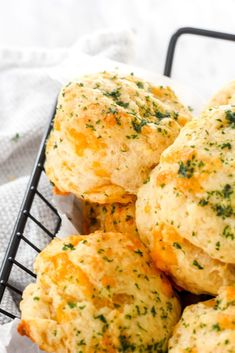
[193,31]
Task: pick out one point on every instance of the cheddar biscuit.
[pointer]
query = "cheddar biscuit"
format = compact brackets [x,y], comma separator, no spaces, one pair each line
[225,95]
[98,293]
[115,217]
[207,327]
[188,265]
[193,188]
[109,132]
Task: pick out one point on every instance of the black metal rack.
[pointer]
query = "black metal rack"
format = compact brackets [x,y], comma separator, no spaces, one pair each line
[18,235]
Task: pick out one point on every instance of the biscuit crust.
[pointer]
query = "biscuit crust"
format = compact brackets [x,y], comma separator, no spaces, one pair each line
[114,217]
[109,132]
[98,293]
[207,327]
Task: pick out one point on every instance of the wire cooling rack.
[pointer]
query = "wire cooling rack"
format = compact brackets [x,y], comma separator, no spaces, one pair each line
[25,215]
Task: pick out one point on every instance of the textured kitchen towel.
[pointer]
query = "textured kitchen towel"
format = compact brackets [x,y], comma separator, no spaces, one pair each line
[29,83]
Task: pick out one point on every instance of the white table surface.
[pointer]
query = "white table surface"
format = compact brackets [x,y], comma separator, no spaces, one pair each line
[205,64]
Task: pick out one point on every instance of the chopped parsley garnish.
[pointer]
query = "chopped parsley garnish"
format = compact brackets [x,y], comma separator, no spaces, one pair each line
[139,252]
[81,343]
[126,345]
[115,94]
[137,125]
[217,246]
[104,209]
[186,170]
[118,120]
[220,201]
[147,180]
[72,305]
[140,327]
[177,246]
[89,126]
[228,233]
[122,104]
[226,145]
[112,111]
[107,259]
[36,298]
[230,117]
[153,311]
[128,217]
[161,115]
[142,312]
[216,327]
[68,246]
[227,191]
[203,202]
[132,137]
[196,264]
[140,84]
[101,318]
[223,211]
[128,316]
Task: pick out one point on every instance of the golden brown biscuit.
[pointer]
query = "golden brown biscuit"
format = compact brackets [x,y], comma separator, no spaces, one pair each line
[193,189]
[224,96]
[109,132]
[98,293]
[207,327]
[188,265]
[115,217]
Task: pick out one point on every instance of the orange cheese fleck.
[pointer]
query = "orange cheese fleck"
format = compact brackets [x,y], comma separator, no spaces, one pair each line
[82,141]
[230,293]
[63,314]
[164,177]
[226,322]
[108,281]
[166,287]
[163,253]
[98,170]
[108,342]
[209,303]
[147,208]
[110,120]
[177,155]
[23,328]
[57,124]
[102,173]
[64,269]
[146,129]
[189,184]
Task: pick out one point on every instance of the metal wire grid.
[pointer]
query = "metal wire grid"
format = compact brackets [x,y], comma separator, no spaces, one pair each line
[24,216]
[18,236]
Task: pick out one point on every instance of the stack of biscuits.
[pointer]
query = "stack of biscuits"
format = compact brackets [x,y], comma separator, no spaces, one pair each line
[158,187]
